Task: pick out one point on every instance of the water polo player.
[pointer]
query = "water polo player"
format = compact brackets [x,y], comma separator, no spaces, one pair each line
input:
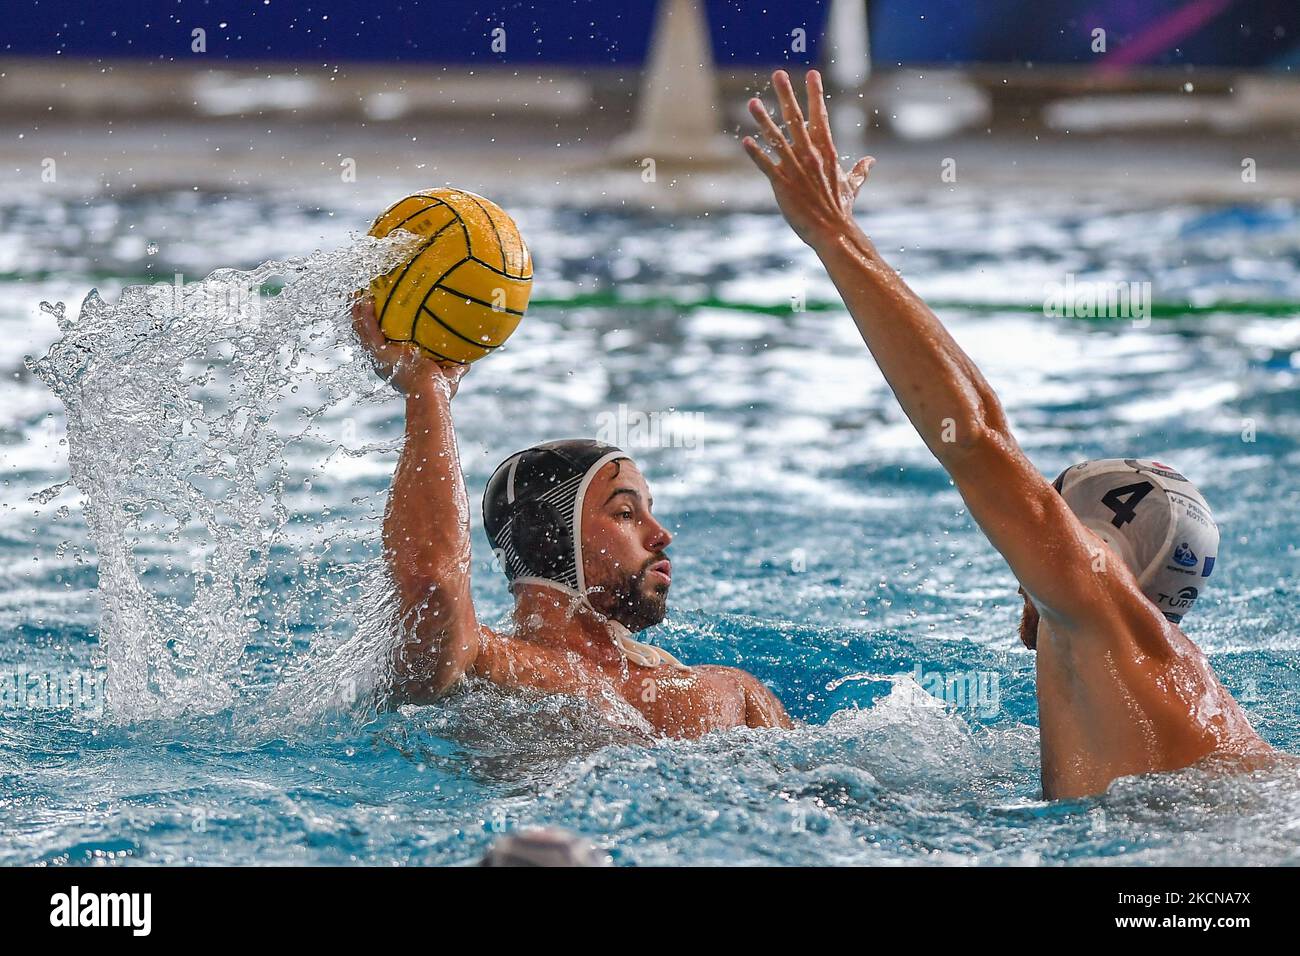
[587,563]
[1109,559]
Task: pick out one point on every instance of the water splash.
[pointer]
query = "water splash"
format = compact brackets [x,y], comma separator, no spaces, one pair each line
[181,401]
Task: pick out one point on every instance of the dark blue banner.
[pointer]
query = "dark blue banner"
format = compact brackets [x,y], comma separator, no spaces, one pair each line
[590,33]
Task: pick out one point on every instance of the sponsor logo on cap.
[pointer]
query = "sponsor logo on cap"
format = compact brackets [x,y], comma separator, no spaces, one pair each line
[1163,470]
[1184,599]
[1192,510]
[1185,556]
[1209,566]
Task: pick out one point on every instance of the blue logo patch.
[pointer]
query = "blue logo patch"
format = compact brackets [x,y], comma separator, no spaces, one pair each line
[1209,566]
[1184,556]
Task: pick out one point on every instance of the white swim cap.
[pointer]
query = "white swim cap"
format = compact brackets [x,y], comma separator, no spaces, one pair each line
[1154,519]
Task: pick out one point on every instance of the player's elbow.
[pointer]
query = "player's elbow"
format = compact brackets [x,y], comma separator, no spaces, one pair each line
[436,643]
[975,425]
[414,582]
[418,678]
[425,559]
[424,575]
[977,441]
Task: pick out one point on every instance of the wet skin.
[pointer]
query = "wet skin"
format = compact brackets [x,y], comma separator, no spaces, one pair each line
[1120,689]
[557,645]
[1136,696]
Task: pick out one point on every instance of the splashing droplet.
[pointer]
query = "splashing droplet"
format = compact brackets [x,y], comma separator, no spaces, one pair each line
[186,438]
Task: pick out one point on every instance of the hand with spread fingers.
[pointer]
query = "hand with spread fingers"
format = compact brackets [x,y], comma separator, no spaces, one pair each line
[815,194]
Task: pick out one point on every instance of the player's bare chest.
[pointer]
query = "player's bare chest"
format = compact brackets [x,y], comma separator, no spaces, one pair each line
[683,703]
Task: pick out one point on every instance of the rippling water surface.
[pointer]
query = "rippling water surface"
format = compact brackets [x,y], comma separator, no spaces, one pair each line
[214,561]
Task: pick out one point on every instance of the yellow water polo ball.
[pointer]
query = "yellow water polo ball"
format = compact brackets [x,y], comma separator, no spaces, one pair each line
[463,292]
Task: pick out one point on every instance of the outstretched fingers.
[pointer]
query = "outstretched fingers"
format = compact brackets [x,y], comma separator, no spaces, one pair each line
[814,192]
[760,158]
[768,128]
[819,121]
[790,111]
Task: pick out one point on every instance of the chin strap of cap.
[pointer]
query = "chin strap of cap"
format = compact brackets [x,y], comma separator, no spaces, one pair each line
[638,652]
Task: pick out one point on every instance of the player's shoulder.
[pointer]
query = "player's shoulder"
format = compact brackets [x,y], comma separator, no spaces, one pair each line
[732,676]
[1117,614]
[505,658]
[719,670]
[762,707]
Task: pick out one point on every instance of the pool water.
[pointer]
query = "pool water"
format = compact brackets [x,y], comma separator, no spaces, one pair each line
[223,630]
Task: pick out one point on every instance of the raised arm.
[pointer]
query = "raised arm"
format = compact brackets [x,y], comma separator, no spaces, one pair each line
[426,527]
[944,395]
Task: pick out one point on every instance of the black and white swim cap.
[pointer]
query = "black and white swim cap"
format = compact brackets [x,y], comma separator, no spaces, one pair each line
[532,510]
[1154,519]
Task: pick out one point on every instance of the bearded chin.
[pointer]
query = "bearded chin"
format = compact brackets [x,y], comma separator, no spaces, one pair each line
[1029,626]
[628,603]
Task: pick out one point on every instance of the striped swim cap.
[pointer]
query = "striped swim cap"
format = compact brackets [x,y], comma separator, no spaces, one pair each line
[532,510]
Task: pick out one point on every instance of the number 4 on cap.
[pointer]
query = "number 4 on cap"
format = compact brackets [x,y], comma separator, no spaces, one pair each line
[1123,501]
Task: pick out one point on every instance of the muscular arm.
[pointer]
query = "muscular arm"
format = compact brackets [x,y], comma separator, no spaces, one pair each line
[762,708]
[426,540]
[939,388]
[426,526]
[961,421]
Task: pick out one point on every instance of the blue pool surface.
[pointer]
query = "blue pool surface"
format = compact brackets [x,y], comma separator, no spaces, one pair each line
[818,545]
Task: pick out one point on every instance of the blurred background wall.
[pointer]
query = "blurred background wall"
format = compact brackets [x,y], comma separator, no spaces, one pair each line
[591,33]
[534,90]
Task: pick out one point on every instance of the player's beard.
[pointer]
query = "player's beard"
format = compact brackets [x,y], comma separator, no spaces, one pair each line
[1029,625]
[630,601]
